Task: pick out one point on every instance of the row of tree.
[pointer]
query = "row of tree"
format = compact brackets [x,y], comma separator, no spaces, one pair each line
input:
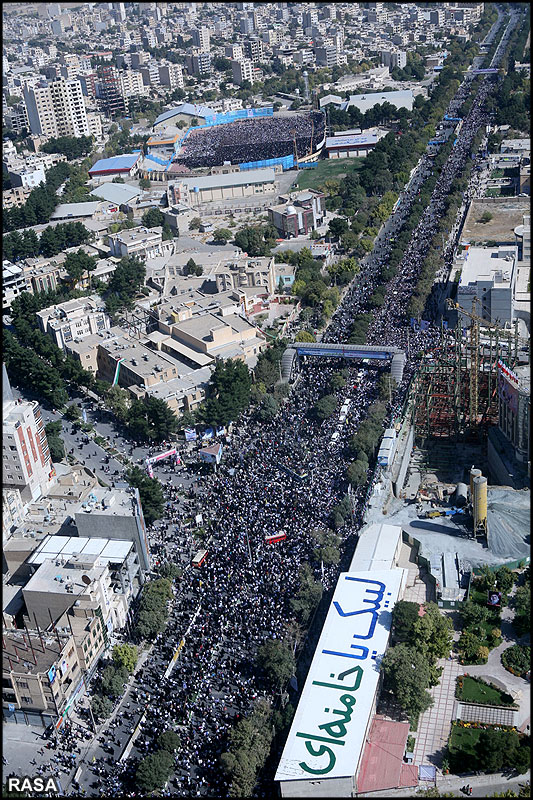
[41,202]
[70,146]
[409,666]
[53,240]
[114,677]
[152,614]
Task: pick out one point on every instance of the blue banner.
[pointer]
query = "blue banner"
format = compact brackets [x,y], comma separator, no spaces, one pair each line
[190,435]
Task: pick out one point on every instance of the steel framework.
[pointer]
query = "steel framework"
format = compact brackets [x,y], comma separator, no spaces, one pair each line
[454,392]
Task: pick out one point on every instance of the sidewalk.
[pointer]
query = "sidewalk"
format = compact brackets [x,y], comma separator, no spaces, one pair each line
[491,783]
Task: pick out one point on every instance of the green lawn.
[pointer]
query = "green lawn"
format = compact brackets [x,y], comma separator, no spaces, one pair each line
[463,740]
[328,168]
[476,691]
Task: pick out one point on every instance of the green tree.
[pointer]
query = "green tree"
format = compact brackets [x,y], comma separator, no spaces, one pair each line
[325,407]
[404,616]
[56,444]
[304,336]
[356,472]
[268,409]
[153,218]
[432,633]
[337,227]
[125,655]
[195,223]
[118,401]
[328,546]
[79,264]
[154,771]
[307,597]
[72,413]
[473,614]
[504,579]
[229,392]
[101,706]
[113,680]
[407,675]
[144,183]
[469,645]
[169,741]
[276,659]
[150,492]
[222,236]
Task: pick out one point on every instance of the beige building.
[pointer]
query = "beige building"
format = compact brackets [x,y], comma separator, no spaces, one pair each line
[41,676]
[242,70]
[133,364]
[210,188]
[73,320]
[86,350]
[57,109]
[247,273]
[142,242]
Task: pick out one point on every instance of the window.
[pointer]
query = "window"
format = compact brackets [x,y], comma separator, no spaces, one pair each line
[27,700]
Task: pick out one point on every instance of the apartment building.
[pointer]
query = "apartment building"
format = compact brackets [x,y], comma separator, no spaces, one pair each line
[13,283]
[201,38]
[57,109]
[199,63]
[26,461]
[74,319]
[117,511]
[130,83]
[141,242]
[41,676]
[242,71]
[253,49]
[171,75]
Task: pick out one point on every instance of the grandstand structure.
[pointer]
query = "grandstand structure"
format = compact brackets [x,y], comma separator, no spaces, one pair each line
[251,138]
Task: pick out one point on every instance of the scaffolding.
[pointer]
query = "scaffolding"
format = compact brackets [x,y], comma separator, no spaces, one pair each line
[454,392]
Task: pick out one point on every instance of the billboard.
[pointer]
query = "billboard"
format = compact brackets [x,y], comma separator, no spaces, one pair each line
[507,387]
[494,599]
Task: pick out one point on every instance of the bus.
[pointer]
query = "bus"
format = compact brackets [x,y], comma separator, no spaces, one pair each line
[199,558]
[272,538]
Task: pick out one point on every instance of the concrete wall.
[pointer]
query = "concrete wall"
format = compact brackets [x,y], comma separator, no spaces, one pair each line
[332,787]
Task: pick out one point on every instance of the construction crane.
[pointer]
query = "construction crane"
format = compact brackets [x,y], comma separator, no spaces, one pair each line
[474,341]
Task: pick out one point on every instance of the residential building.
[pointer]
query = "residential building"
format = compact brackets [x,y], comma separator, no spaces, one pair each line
[242,71]
[299,214]
[327,56]
[234,52]
[253,49]
[26,460]
[13,283]
[130,83]
[27,177]
[94,122]
[57,109]
[245,273]
[171,75]
[150,74]
[142,242]
[201,38]
[41,676]
[199,63]
[74,319]
[14,198]
[13,511]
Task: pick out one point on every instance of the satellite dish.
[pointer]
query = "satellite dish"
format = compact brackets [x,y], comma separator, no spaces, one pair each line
[86,580]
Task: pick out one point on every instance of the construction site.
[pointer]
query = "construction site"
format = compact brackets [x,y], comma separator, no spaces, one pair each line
[448,497]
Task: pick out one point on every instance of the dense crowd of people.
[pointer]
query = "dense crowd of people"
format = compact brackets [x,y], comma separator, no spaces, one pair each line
[253,140]
[240,597]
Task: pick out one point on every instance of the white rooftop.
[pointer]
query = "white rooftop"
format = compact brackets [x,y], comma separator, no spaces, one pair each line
[484,264]
[329,727]
[54,547]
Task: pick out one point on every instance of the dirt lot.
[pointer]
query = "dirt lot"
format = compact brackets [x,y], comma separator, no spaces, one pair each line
[507,214]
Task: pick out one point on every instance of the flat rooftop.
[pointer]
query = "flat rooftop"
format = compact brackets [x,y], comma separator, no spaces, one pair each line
[63,579]
[382,764]
[62,547]
[18,656]
[485,264]
[333,670]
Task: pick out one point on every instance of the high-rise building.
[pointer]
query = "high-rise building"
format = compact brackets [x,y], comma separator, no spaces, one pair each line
[171,75]
[242,71]
[310,18]
[201,38]
[108,91]
[130,83]
[26,460]
[253,49]
[199,63]
[57,109]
